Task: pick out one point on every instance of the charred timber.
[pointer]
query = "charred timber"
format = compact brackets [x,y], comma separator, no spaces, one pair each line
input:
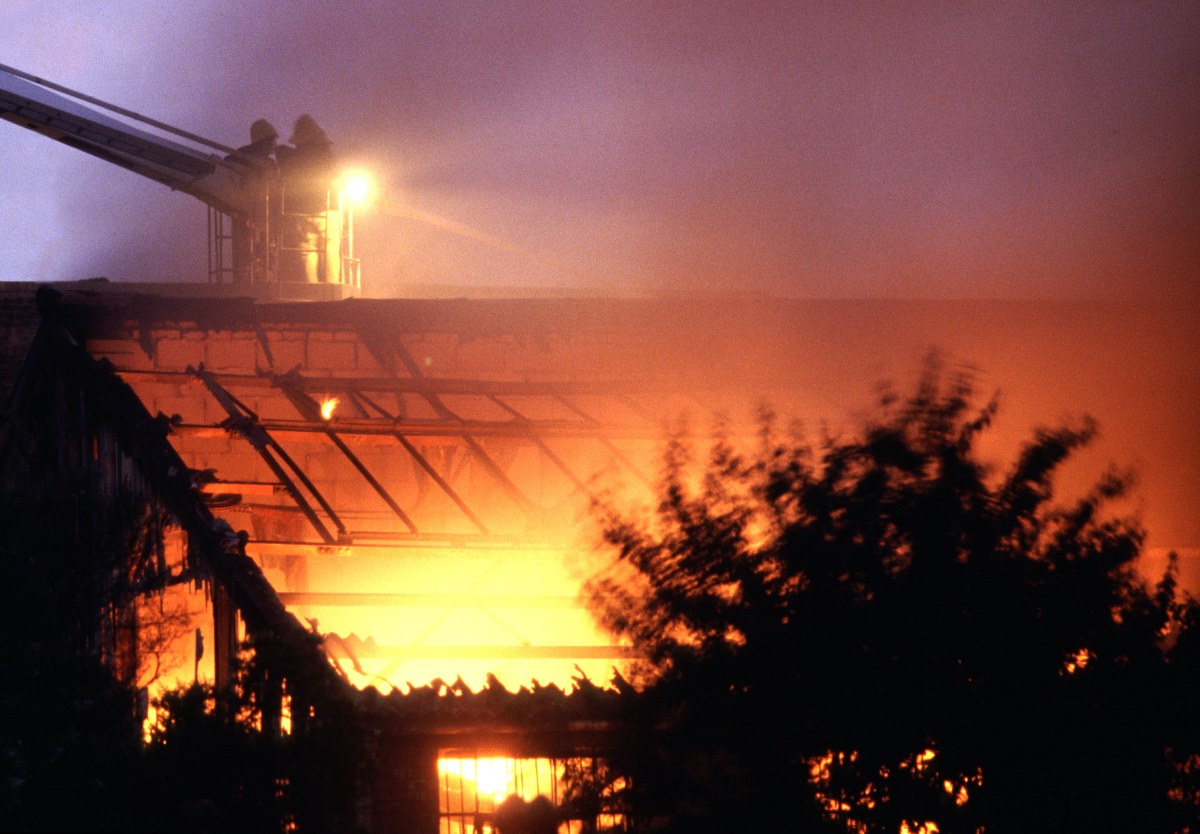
[428,428]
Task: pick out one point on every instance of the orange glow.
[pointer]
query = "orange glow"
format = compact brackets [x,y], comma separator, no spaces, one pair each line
[493,778]
[471,788]
[929,827]
[328,406]
[920,762]
[1077,661]
[820,768]
[441,612]
[167,623]
[844,805]
[959,793]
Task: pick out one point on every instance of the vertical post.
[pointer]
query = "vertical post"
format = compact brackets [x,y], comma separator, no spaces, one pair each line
[268,271]
[348,263]
[125,642]
[214,265]
[331,240]
[271,700]
[224,637]
[198,653]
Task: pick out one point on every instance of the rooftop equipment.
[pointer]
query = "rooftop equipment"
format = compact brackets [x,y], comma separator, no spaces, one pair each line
[263,240]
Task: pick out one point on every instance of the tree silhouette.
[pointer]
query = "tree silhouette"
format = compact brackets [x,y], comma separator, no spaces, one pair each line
[214,762]
[72,756]
[882,632]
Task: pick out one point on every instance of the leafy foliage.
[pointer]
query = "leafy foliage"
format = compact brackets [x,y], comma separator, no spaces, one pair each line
[216,760]
[72,756]
[208,768]
[882,631]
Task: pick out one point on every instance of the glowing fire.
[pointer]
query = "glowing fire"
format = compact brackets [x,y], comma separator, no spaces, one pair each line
[929,827]
[441,612]
[1077,661]
[472,789]
[959,792]
[493,778]
[328,406]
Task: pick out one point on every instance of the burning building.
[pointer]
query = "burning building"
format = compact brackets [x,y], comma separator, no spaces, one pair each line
[395,492]
[376,494]
[398,491]
[391,497]
[403,480]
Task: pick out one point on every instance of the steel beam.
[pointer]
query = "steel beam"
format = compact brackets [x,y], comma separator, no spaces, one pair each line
[309,410]
[350,600]
[487,544]
[400,428]
[244,421]
[608,444]
[450,428]
[527,506]
[423,385]
[363,651]
[533,436]
[425,465]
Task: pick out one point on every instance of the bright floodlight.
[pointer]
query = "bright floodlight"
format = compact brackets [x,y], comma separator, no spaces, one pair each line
[358,186]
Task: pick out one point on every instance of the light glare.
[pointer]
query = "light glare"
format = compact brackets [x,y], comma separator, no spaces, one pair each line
[358,186]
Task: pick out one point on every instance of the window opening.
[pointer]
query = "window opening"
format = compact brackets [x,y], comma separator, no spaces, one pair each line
[473,786]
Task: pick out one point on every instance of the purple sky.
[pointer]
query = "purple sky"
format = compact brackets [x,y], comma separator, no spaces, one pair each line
[928,149]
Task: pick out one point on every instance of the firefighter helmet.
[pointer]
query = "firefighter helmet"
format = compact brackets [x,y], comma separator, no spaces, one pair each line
[261,131]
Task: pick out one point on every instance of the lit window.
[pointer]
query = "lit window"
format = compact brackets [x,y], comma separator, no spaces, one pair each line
[473,787]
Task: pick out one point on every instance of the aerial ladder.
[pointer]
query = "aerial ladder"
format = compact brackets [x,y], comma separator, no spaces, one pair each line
[259,241]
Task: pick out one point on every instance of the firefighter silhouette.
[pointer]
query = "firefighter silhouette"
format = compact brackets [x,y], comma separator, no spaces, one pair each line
[310,240]
[252,233]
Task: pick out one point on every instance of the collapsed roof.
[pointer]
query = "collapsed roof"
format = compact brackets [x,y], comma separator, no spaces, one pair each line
[434,519]
[409,479]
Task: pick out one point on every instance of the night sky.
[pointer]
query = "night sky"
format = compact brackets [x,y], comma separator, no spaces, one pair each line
[1021,149]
